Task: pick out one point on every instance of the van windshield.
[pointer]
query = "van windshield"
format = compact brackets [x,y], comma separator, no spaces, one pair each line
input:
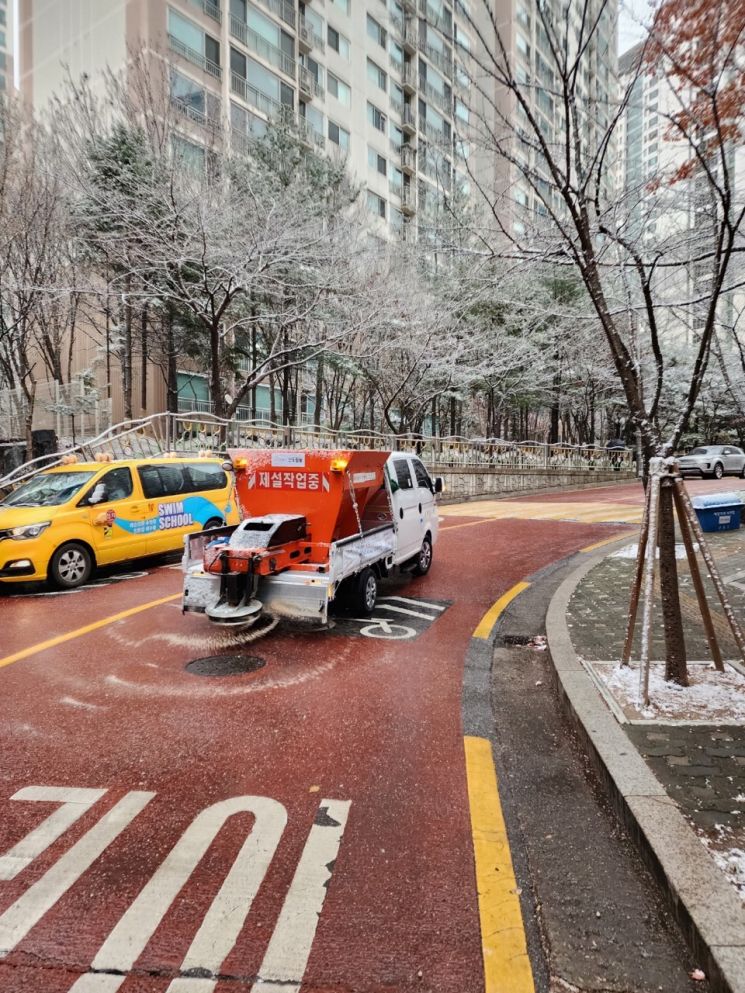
[49,489]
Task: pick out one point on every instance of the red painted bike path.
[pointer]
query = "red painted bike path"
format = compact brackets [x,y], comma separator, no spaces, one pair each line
[373,722]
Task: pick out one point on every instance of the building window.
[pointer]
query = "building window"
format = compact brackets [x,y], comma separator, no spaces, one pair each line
[377,118]
[377,76]
[376,161]
[338,42]
[376,31]
[376,204]
[339,89]
[338,135]
[343,5]
[187,94]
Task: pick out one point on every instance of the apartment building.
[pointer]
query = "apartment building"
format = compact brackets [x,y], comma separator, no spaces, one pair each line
[374,80]
[528,51]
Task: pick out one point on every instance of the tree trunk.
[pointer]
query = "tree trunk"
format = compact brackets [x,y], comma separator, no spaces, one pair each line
[215,371]
[319,394]
[675,652]
[171,370]
[143,361]
[126,358]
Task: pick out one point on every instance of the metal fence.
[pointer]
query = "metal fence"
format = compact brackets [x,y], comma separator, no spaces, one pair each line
[71,410]
[193,432]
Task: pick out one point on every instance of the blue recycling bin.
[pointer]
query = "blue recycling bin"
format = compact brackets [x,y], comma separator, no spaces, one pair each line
[718,511]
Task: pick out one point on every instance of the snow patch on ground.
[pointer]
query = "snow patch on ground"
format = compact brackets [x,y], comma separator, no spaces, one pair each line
[711,696]
[729,858]
[631,551]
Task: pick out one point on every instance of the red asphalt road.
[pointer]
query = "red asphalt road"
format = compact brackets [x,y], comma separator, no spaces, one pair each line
[373,722]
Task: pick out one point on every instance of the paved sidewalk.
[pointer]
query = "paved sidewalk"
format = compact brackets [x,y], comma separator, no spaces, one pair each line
[700,766]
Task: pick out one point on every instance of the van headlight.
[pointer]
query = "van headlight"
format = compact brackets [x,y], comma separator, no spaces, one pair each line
[28,531]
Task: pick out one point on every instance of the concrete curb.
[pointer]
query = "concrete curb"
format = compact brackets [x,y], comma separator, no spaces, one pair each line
[707,908]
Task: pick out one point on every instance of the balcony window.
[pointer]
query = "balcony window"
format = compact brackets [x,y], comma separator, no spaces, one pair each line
[376,204]
[377,76]
[376,31]
[239,10]
[396,54]
[246,123]
[315,22]
[377,118]
[377,162]
[314,117]
[338,42]
[338,135]
[187,94]
[339,89]
[343,5]
[192,43]
[188,154]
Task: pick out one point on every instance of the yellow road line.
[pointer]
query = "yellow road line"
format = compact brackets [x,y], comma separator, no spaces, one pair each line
[608,541]
[503,943]
[60,639]
[487,622]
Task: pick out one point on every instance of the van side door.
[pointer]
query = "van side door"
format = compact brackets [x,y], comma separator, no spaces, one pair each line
[406,508]
[116,514]
[427,500]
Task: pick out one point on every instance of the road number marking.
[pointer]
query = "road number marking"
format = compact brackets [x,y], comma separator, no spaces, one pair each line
[31,906]
[287,956]
[74,802]
[228,911]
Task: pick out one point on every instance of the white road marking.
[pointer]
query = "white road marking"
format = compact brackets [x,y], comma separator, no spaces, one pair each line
[414,603]
[374,624]
[226,916]
[287,956]
[31,906]
[74,802]
[405,610]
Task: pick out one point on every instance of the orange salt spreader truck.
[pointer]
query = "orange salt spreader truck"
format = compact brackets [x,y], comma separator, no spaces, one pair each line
[316,526]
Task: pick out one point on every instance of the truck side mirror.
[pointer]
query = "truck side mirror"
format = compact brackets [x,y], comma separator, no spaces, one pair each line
[438,484]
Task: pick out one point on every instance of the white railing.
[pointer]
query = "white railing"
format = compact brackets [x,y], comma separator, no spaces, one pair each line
[262,47]
[195,57]
[255,97]
[282,9]
[193,431]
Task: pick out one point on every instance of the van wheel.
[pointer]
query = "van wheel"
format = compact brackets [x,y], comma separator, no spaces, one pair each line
[212,523]
[71,566]
[424,558]
[365,593]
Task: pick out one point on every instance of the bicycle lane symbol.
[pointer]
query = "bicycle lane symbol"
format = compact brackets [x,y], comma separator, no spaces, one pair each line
[396,618]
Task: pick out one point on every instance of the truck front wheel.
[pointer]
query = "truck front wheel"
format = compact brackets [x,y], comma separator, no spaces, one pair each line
[365,592]
[424,558]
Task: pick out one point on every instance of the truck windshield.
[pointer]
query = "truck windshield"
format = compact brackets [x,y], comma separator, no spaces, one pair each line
[48,489]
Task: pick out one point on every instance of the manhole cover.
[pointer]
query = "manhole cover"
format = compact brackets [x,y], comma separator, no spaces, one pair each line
[225,665]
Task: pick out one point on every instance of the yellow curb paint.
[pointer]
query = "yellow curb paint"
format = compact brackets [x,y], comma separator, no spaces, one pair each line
[487,622]
[79,632]
[608,541]
[503,943]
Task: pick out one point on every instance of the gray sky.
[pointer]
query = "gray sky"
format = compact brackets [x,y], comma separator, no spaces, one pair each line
[629,29]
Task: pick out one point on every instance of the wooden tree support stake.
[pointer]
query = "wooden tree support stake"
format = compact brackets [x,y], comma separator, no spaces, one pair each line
[636,582]
[651,558]
[716,579]
[698,583]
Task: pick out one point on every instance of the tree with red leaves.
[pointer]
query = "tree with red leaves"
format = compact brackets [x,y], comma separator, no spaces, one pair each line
[699,45]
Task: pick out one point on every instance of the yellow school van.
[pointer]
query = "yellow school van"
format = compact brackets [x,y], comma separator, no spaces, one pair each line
[63,522]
